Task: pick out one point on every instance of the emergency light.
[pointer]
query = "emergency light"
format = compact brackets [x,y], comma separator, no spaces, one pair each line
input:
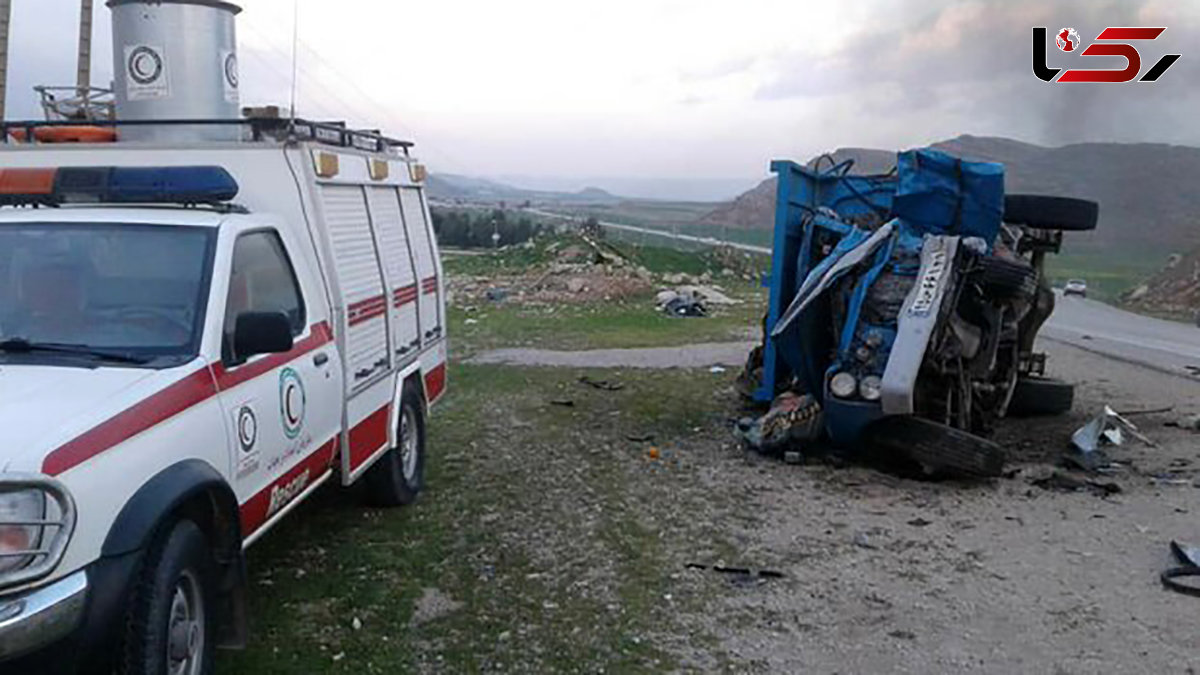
[116,185]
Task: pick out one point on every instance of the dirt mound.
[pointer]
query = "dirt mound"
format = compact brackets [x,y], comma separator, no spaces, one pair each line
[1175,291]
[586,271]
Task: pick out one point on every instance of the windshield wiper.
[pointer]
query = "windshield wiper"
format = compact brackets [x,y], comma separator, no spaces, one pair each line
[18,345]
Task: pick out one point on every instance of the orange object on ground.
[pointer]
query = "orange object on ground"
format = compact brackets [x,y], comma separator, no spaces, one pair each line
[27,181]
[69,134]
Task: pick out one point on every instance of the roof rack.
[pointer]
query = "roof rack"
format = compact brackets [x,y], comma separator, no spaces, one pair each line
[276,128]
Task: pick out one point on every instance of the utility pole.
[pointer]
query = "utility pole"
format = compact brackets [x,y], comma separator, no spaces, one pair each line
[5,14]
[83,75]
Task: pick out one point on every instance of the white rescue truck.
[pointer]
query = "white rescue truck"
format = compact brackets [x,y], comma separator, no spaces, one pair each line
[199,326]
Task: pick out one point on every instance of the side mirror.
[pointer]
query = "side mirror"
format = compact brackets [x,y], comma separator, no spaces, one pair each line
[261,333]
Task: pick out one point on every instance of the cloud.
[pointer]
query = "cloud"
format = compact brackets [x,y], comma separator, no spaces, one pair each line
[652,87]
[966,61]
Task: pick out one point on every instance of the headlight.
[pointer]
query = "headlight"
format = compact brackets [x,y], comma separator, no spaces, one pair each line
[843,385]
[23,506]
[37,518]
[871,387]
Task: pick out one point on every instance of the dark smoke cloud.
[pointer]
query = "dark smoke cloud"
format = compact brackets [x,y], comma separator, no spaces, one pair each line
[969,64]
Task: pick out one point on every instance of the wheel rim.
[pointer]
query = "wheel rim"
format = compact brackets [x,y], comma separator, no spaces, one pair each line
[408,444]
[185,627]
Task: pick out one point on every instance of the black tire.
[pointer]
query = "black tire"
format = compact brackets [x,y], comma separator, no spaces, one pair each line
[1035,396]
[180,562]
[937,447]
[391,481]
[1044,212]
[1006,279]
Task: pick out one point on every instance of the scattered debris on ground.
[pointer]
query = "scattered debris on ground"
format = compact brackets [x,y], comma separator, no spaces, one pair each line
[739,576]
[603,385]
[1188,558]
[1105,429]
[1189,422]
[692,300]
[1062,482]
[792,420]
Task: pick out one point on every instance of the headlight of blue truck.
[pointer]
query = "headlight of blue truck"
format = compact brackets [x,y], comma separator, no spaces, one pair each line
[37,518]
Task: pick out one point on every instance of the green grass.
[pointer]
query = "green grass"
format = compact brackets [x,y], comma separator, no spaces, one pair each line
[504,260]
[1109,272]
[612,325]
[525,502]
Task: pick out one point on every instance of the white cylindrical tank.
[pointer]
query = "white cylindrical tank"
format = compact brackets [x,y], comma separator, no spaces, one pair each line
[175,60]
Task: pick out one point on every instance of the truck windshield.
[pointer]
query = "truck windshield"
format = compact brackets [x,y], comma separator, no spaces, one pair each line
[115,292]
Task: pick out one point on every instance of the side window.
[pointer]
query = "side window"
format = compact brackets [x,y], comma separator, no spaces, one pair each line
[262,280]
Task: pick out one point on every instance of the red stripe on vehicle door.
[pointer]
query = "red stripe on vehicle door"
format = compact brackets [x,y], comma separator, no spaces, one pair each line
[319,336]
[429,285]
[256,510]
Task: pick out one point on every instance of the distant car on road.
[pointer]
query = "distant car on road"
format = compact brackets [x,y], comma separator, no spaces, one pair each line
[1075,287]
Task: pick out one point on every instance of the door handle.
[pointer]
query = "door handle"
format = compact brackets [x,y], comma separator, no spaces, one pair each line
[320,359]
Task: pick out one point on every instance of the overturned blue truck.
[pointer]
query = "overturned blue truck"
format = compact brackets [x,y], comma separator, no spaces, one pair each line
[904,307]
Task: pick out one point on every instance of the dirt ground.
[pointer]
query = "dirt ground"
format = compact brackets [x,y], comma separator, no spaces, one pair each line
[891,575]
[887,574]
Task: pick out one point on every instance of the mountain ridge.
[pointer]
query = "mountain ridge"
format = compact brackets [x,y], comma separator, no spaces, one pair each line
[1145,190]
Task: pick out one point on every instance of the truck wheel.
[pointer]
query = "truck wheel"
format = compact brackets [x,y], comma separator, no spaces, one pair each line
[1035,396]
[1006,279]
[396,479]
[1044,212]
[937,447]
[171,626]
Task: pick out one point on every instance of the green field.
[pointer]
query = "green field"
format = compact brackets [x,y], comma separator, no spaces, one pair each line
[1109,271]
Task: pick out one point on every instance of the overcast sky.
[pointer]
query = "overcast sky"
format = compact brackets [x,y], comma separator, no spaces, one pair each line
[566,92]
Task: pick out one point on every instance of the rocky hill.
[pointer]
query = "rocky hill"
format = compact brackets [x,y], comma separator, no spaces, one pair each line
[1147,191]
[1175,291]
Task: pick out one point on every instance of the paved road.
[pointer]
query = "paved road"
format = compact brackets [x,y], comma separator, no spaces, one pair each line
[1164,345]
[707,241]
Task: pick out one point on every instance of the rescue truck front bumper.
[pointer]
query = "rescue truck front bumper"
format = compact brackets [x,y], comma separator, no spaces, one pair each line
[70,625]
[42,616]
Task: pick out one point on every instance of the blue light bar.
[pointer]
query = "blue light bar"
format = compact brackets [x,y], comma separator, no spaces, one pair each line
[185,185]
[171,184]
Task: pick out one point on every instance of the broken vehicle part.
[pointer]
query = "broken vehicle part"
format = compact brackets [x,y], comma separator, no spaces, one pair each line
[793,419]
[1105,429]
[938,447]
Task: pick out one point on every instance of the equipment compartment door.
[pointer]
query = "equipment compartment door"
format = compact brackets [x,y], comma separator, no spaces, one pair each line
[361,281]
[397,259]
[420,239]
